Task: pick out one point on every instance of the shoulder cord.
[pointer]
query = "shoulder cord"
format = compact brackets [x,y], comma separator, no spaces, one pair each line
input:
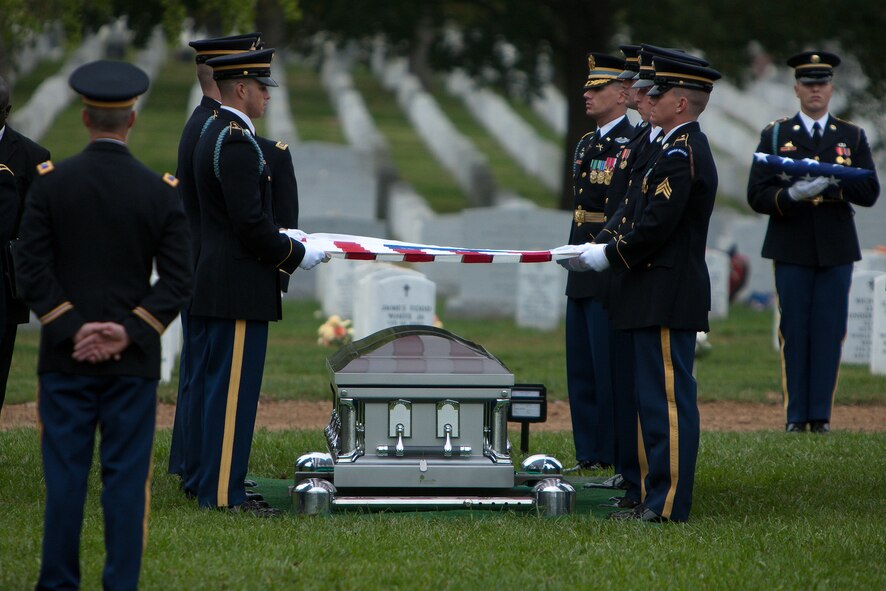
[216,155]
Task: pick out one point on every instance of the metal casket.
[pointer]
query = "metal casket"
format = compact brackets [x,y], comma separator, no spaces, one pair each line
[419,407]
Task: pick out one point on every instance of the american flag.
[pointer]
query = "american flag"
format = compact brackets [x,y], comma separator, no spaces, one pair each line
[807,168]
[364,248]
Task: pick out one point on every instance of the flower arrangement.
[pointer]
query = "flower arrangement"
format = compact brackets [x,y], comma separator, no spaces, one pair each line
[335,332]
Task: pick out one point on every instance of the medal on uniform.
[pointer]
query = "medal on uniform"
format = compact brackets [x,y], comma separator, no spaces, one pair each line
[843,154]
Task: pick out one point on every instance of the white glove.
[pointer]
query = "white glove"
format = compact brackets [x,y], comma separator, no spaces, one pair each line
[313,257]
[295,234]
[595,257]
[806,189]
[573,263]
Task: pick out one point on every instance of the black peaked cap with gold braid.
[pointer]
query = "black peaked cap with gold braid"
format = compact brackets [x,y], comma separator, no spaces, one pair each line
[248,64]
[603,69]
[109,84]
[218,46]
[814,67]
[670,73]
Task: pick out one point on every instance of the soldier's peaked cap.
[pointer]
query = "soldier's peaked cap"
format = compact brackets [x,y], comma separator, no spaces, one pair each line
[645,77]
[632,61]
[814,66]
[603,69]
[248,64]
[671,73]
[217,46]
[109,84]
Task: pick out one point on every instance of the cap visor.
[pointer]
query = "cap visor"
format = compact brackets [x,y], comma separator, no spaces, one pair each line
[658,90]
[267,81]
[814,80]
[643,83]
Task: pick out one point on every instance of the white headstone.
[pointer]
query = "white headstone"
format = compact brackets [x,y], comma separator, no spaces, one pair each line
[857,346]
[388,299]
[491,289]
[872,260]
[878,328]
[170,347]
[718,270]
[540,301]
[337,285]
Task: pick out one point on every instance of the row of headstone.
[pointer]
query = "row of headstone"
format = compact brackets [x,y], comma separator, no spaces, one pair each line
[537,156]
[468,166]
[550,105]
[38,47]
[53,94]
[149,59]
[278,120]
[357,124]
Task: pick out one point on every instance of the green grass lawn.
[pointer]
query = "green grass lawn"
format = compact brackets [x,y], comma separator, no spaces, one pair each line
[742,366]
[770,512]
[314,116]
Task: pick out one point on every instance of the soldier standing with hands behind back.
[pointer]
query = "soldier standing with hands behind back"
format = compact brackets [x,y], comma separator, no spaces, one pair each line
[93,227]
[811,239]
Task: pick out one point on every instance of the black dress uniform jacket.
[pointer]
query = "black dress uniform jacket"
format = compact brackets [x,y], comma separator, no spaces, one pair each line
[616,200]
[667,282]
[184,172]
[593,169]
[241,248]
[92,229]
[21,155]
[818,232]
[9,213]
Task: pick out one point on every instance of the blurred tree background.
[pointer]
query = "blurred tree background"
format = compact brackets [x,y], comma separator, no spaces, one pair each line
[513,44]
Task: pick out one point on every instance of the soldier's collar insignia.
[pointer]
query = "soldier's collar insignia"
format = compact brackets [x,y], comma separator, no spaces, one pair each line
[281,145]
[170,180]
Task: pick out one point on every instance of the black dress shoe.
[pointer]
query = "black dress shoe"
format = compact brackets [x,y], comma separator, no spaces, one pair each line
[638,513]
[621,503]
[255,508]
[614,482]
[819,427]
[254,496]
[585,465]
[250,483]
[795,428]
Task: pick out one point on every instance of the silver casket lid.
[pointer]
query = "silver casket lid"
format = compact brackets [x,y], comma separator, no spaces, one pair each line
[416,355]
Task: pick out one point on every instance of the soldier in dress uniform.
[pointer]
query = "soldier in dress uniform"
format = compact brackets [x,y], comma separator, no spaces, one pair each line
[21,156]
[237,279]
[633,161]
[587,326]
[664,292]
[93,228]
[184,450]
[811,239]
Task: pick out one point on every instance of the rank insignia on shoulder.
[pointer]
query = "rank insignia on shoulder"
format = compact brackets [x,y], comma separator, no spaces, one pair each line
[664,188]
[281,146]
[170,179]
[675,151]
[683,140]
[45,167]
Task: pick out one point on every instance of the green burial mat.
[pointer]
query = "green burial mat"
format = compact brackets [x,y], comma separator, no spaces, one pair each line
[588,501]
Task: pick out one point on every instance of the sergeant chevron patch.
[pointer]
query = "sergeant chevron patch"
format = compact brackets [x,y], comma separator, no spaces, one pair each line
[664,188]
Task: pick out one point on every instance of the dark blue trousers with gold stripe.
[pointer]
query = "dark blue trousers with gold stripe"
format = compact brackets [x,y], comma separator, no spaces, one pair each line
[814,305]
[626,420]
[669,421]
[187,430]
[235,359]
[589,379]
[124,409]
